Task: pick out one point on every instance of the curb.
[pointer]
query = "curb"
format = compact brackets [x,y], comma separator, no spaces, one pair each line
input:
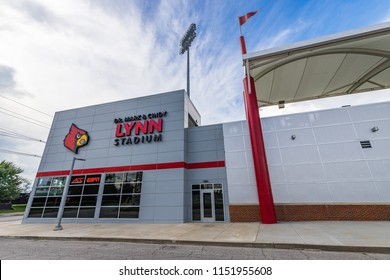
[289,246]
[11,214]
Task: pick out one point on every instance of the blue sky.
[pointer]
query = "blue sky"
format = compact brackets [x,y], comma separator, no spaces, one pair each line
[57,55]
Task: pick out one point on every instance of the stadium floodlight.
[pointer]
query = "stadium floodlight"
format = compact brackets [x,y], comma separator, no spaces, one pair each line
[185,44]
[188,38]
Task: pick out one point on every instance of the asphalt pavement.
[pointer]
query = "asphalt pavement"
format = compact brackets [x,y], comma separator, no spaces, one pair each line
[27,249]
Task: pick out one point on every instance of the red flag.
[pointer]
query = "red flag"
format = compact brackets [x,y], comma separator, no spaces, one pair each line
[244,18]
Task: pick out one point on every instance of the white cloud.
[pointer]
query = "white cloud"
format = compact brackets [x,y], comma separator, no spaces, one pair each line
[68,54]
[64,54]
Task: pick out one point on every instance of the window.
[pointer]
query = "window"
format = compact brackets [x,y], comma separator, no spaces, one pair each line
[195,205]
[47,197]
[121,195]
[82,196]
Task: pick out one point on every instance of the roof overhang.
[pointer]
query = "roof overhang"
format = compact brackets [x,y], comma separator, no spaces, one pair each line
[339,64]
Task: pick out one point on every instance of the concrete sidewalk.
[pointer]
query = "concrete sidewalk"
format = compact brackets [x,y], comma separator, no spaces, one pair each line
[333,236]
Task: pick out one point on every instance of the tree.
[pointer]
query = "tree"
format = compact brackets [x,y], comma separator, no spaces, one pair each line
[25,187]
[10,181]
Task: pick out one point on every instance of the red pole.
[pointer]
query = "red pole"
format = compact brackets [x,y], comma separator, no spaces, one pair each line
[242,43]
[264,191]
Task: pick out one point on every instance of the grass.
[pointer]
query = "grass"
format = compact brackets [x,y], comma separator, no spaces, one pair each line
[18,208]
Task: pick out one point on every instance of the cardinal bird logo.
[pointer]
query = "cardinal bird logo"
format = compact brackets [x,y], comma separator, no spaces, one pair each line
[76,138]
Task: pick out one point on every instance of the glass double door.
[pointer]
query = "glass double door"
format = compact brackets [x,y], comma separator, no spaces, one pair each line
[207,203]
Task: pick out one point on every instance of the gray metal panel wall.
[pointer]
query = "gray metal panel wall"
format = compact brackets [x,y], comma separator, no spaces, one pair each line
[323,163]
[190,110]
[99,122]
[162,196]
[205,144]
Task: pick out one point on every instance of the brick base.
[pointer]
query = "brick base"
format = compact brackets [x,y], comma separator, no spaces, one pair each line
[244,213]
[285,212]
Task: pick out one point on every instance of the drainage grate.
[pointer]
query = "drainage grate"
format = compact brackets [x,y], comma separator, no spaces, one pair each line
[365,144]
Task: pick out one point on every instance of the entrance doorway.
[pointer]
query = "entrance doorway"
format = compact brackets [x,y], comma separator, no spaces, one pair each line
[207,203]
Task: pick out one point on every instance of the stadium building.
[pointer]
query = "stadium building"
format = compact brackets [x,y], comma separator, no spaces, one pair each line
[149,159]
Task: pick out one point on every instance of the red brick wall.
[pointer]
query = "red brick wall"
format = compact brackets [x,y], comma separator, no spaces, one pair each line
[285,212]
[244,213]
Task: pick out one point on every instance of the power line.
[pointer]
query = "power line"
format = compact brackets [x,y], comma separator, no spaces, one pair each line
[19,153]
[14,134]
[20,137]
[35,120]
[23,119]
[26,106]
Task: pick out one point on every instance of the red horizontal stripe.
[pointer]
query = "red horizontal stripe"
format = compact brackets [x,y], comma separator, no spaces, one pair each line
[212,164]
[53,173]
[170,165]
[141,167]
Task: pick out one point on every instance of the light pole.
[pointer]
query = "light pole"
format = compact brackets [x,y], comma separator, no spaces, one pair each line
[185,44]
[64,195]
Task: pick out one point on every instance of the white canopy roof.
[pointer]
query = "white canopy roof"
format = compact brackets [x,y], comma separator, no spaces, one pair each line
[339,64]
